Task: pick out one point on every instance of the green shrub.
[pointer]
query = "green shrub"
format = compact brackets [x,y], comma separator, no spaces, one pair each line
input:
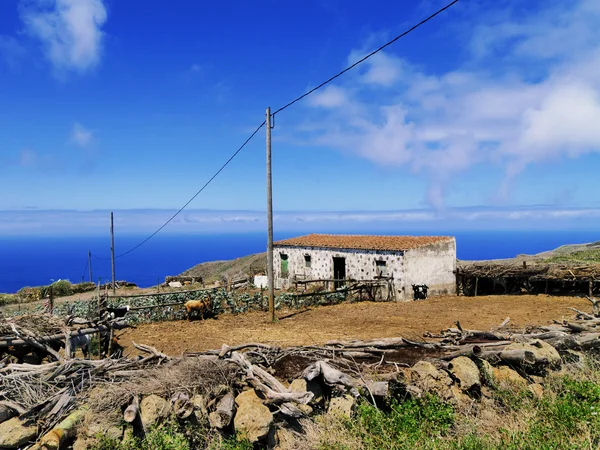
[409,424]
[8,299]
[61,288]
[173,435]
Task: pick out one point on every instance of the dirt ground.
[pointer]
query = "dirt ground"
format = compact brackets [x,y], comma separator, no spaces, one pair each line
[364,320]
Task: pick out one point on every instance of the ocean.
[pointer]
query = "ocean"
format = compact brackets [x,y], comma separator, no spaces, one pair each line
[33,261]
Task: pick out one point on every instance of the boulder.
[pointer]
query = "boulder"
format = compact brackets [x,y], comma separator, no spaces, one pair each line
[425,369]
[153,409]
[253,420]
[14,434]
[504,374]
[301,385]
[425,377]
[467,374]
[341,405]
[546,352]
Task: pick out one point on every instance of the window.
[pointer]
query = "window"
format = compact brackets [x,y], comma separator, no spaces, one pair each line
[284,264]
[381,268]
[307,261]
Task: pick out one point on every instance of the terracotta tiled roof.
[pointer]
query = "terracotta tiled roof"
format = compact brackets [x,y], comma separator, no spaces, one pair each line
[394,243]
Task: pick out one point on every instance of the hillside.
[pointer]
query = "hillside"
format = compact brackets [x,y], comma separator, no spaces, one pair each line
[234,268]
[257,263]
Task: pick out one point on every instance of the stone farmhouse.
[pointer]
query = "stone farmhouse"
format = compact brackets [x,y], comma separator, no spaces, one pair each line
[403,260]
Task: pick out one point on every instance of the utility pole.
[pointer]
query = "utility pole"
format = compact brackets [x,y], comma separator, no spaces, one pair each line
[112,251]
[90,264]
[270,223]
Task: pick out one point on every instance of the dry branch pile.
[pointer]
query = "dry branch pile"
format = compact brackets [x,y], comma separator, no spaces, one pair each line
[536,271]
[260,391]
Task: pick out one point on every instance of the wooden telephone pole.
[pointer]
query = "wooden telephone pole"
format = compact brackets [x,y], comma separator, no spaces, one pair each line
[90,264]
[270,223]
[112,251]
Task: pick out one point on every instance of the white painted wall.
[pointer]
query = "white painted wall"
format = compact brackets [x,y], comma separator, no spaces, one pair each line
[360,264]
[261,281]
[433,265]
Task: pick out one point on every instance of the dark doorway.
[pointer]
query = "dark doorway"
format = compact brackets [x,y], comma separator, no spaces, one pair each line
[339,271]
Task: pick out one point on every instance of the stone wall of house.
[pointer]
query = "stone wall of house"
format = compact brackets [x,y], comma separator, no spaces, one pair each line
[433,265]
[360,264]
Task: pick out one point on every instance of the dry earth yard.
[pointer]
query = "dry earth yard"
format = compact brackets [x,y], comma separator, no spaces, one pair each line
[364,320]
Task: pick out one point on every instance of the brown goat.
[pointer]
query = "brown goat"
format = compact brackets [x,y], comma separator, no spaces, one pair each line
[199,307]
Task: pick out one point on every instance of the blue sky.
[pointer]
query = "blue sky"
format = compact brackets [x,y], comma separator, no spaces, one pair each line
[492,106]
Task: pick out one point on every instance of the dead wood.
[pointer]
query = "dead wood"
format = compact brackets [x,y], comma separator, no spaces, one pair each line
[64,430]
[221,417]
[331,376]
[132,411]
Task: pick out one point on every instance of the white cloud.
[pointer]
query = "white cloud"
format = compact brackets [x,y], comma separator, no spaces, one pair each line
[330,97]
[80,136]
[27,222]
[382,68]
[70,31]
[529,91]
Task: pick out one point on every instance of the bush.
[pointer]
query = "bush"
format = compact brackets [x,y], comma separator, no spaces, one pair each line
[413,423]
[174,436]
[7,299]
[61,288]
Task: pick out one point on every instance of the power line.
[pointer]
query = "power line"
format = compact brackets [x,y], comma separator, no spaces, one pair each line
[193,197]
[360,61]
[366,57]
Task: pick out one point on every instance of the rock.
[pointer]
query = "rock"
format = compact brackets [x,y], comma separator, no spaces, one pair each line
[425,377]
[545,354]
[425,369]
[301,385]
[467,374]
[341,405]
[153,409]
[14,434]
[536,389]
[253,420]
[6,413]
[504,374]
[486,369]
